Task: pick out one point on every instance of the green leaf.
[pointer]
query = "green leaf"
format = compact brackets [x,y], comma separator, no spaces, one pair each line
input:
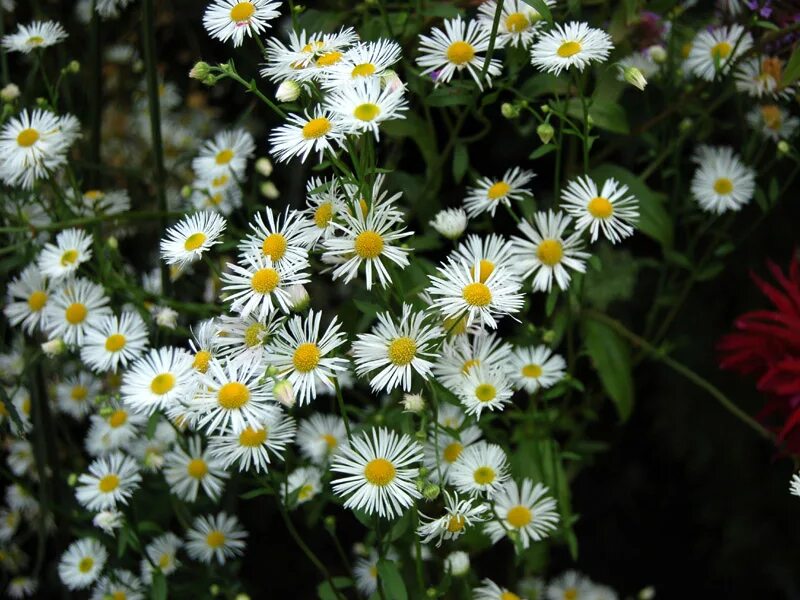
[791,71]
[541,8]
[609,115]
[441,9]
[450,96]
[392,581]
[325,590]
[460,161]
[256,493]
[542,151]
[611,359]
[11,409]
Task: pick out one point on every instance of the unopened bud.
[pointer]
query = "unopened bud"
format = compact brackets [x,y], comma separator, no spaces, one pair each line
[54,347]
[658,54]
[166,317]
[432,592]
[509,111]
[647,593]
[284,393]
[431,491]
[112,242]
[413,403]
[214,589]
[544,108]
[269,191]
[288,91]
[72,480]
[242,596]
[685,125]
[200,71]
[108,520]
[457,563]
[783,147]
[548,336]
[635,77]
[330,523]
[74,67]
[186,191]
[545,132]
[299,298]
[264,167]
[9,93]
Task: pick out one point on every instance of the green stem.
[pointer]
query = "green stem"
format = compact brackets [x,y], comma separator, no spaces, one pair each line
[251,87]
[342,410]
[490,50]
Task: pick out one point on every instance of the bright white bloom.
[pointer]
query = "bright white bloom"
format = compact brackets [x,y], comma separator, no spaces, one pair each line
[186,471]
[483,388]
[186,241]
[108,520]
[252,446]
[519,21]
[368,60]
[302,135]
[378,476]
[460,514]
[27,296]
[63,258]
[438,462]
[39,34]
[536,367]
[231,19]
[611,210]
[114,341]
[284,239]
[308,56]
[526,510]
[110,9]
[570,584]
[574,44]
[110,481]
[489,193]
[151,451]
[481,468]
[794,485]
[217,537]
[75,308]
[120,585]
[303,483]
[413,403]
[82,563]
[76,394]
[547,253]
[365,572]
[714,52]
[489,590]
[226,154]
[363,106]
[450,222]
[158,381]
[320,436]
[205,344]
[20,457]
[398,347]
[461,354]
[773,122]
[165,316]
[762,76]
[325,201]
[443,53]
[722,182]
[244,339]
[161,552]
[114,431]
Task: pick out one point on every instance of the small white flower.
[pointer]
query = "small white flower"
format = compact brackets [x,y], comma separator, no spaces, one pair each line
[524,509]
[109,482]
[611,210]
[187,471]
[74,309]
[39,34]
[231,19]
[63,258]
[252,447]
[536,367]
[460,514]
[320,436]
[481,468]
[714,52]
[484,389]
[158,381]
[303,483]
[185,242]
[457,563]
[573,44]
[519,22]
[363,106]
[226,155]
[108,520]
[82,563]
[114,341]
[28,295]
[217,537]
[450,222]
[489,193]
[301,136]
[722,182]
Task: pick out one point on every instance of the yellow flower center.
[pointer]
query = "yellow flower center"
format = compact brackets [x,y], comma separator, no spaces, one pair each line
[330,440]
[162,383]
[460,52]
[197,468]
[194,241]
[27,138]
[264,281]
[550,252]
[35,40]
[571,593]
[483,475]
[323,215]
[37,300]
[568,49]
[316,128]
[164,561]
[252,438]
[26,406]
[519,516]
[306,357]
[455,327]
[369,244]
[224,156]
[509,596]
[118,418]
[380,472]
[219,181]
[532,371]
[772,116]
[233,395]
[455,524]
[473,362]
[215,200]
[367,111]
[69,257]
[108,483]
[402,351]
[485,269]
[498,190]
[86,564]
[517,22]
[306,492]
[119,595]
[363,70]
[252,335]
[201,360]
[772,67]
[93,195]
[215,539]
[723,186]
[452,452]
[274,246]
[329,59]
[600,208]
[485,392]
[79,393]
[477,294]
[115,342]
[76,313]
[721,50]
[242,11]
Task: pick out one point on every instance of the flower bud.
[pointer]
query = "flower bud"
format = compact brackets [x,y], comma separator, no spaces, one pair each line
[288,91]
[72,480]
[54,347]
[166,317]
[431,491]
[635,77]
[74,67]
[9,93]
[509,111]
[112,242]
[242,596]
[783,147]
[269,191]
[214,589]
[200,71]
[108,521]
[457,563]
[432,592]
[685,125]
[545,132]
[284,393]
[299,298]
[647,593]
[450,222]
[658,54]
[548,336]
[330,523]
[413,403]
[264,166]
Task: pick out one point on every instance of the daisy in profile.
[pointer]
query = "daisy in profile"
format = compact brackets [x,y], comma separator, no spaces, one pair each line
[160,379]
[281,238]
[63,258]
[82,563]
[367,60]
[161,552]
[460,514]
[489,193]
[794,485]
[307,56]
[397,348]
[367,238]
[27,296]
[715,51]
[363,106]
[484,389]
[231,396]
[570,584]
[75,308]
[722,182]
[527,510]
[611,210]
[762,76]
[547,253]
[481,469]
[98,202]
[113,342]
[459,292]
[462,354]
[205,344]
[226,154]
[519,21]
[303,484]
[455,49]
[320,436]
[34,145]
[253,446]
[215,537]
[110,481]
[245,339]
[378,473]
[574,44]
[773,122]
[489,590]
[39,34]
[489,252]
[365,572]
[186,471]
[76,395]
[450,222]
[302,135]
[302,356]
[231,19]
[324,201]
[186,241]
[258,286]
[439,459]
[120,585]
[536,367]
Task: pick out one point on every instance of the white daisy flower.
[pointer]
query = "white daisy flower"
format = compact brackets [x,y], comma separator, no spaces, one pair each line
[308,55]
[714,52]
[398,348]
[450,446]
[762,76]
[378,476]
[221,194]
[161,552]
[120,585]
[483,388]
[460,514]
[489,590]
[186,241]
[231,19]
[226,154]
[525,509]
[252,446]
[63,258]
[21,586]
[794,485]
[110,9]
[302,356]
[21,399]
[573,44]
[82,563]
[611,210]
[536,367]
[282,238]
[459,292]
[187,471]
[39,34]
[443,53]
[722,182]
[363,106]
[20,457]
[570,584]
[489,193]
[205,344]
[27,296]
[304,483]
[9,524]
[98,202]
[245,339]
[365,572]
[450,222]
[113,342]
[490,252]
[773,122]
[151,451]
[110,481]
[21,499]
[75,308]
[305,134]
[34,145]
[461,354]
[76,395]
[157,381]
[481,468]
[367,238]
[325,202]
[367,60]
[320,436]
[113,431]
[519,21]
[217,537]
[547,253]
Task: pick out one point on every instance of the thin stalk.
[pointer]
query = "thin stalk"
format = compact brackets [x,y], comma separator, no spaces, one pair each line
[342,410]
[379,536]
[490,50]
[95,89]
